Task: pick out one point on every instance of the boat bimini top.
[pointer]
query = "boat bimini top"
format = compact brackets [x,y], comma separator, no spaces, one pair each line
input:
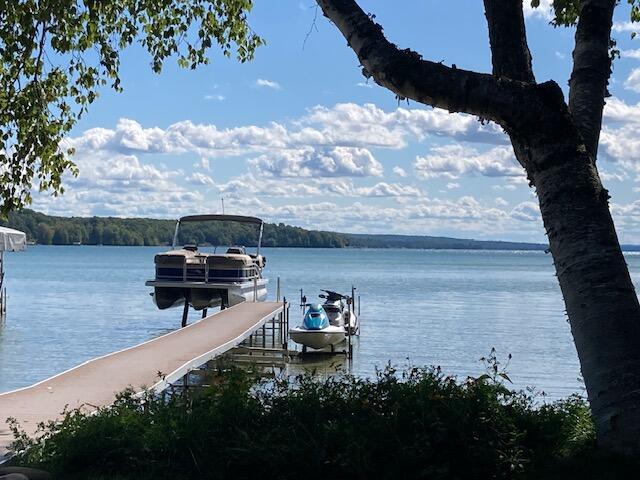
[222,218]
[187,265]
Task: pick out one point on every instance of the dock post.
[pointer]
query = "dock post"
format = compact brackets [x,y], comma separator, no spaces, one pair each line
[278,290]
[283,326]
[264,335]
[349,353]
[3,290]
[204,313]
[185,313]
[358,304]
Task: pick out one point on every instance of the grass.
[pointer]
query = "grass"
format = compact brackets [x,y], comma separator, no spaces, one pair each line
[416,423]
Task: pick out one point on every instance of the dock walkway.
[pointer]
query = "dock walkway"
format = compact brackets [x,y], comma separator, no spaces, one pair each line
[95,383]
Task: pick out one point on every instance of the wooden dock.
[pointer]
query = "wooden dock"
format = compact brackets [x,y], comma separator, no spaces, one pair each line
[95,383]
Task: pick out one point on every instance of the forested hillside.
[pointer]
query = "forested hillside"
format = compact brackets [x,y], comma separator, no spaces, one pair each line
[419,241]
[50,230]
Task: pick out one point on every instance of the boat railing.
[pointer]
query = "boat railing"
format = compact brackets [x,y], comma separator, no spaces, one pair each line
[204,273]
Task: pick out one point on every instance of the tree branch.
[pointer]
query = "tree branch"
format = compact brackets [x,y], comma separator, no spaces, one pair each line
[510,54]
[507,35]
[405,73]
[591,70]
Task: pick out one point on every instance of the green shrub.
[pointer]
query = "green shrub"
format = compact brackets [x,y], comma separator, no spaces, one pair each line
[417,423]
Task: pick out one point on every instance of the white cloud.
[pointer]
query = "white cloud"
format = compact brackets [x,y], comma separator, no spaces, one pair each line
[248,183]
[424,215]
[453,185]
[384,189]
[561,55]
[399,171]
[544,11]
[216,97]
[619,176]
[343,125]
[120,185]
[617,110]
[625,27]
[501,202]
[330,149]
[633,81]
[203,164]
[454,161]
[261,82]
[364,85]
[324,162]
[352,123]
[197,178]
[635,54]
[622,146]
[619,142]
[526,212]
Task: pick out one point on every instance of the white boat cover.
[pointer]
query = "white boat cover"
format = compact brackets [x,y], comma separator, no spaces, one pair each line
[12,240]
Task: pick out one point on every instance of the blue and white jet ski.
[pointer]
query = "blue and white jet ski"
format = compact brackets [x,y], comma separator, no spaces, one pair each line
[316,331]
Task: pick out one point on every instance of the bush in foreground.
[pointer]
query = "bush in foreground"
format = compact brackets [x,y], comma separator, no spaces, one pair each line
[417,423]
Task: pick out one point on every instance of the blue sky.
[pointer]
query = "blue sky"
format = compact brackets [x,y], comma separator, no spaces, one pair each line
[299,136]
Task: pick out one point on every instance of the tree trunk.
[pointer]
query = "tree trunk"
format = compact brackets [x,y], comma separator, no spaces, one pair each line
[556,145]
[601,302]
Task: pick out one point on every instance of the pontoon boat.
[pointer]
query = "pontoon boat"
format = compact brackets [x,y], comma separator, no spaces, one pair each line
[209,279]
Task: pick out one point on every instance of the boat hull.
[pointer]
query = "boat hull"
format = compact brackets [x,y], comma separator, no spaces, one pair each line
[165,297]
[318,339]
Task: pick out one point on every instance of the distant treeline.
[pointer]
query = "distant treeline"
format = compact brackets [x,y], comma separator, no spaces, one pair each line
[49,230]
[419,241]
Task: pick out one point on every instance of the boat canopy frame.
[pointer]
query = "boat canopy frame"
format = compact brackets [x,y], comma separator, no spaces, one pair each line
[220,218]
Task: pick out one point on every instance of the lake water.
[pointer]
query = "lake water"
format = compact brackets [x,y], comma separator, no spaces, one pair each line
[447,308]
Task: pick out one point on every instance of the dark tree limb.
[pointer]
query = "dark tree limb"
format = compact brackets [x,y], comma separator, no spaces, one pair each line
[510,54]
[405,73]
[591,70]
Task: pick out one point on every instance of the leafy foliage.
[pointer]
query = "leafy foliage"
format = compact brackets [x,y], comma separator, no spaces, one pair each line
[416,423]
[56,54]
[567,12]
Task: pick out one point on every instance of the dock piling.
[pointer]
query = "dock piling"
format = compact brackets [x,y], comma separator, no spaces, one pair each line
[185,313]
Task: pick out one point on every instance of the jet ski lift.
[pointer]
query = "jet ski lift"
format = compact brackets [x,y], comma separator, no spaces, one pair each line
[327,324]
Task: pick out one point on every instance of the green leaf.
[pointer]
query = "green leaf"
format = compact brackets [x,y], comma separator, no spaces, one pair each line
[40,102]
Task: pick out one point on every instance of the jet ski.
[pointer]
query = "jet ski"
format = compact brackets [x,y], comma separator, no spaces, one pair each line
[316,331]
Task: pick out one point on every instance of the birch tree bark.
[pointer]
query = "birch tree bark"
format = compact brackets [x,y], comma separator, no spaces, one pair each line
[556,143]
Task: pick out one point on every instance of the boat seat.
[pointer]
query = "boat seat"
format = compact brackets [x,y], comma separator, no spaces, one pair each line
[229,261]
[174,257]
[170,260]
